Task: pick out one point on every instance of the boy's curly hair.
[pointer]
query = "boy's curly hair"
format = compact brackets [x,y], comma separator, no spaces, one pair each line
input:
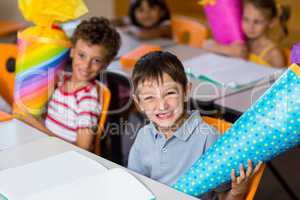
[99,31]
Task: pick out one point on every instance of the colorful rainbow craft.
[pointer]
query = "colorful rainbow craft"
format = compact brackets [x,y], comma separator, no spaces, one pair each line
[224,17]
[42,50]
[268,128]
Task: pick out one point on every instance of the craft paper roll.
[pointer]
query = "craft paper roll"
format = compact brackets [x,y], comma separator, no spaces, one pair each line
[42,50]
[38,63]
[224,17]
[270,127]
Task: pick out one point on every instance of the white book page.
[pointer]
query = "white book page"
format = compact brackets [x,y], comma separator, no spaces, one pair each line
[116,184]
[226,70]
[24,181]
[15,132]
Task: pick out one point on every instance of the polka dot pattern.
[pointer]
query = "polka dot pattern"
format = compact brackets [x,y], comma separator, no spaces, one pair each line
[270,127]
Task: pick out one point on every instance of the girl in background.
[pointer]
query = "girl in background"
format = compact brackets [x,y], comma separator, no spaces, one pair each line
[259,16]
[148,19]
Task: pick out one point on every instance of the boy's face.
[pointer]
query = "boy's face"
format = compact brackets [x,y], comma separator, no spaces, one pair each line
[254,22]
[88,60]
[163,102]
[147,16]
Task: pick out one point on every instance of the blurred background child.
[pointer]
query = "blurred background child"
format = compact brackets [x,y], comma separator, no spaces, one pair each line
[259,16]
[147,19]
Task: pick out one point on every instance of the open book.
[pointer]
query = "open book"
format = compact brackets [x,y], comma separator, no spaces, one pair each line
[227,71]
[70,176]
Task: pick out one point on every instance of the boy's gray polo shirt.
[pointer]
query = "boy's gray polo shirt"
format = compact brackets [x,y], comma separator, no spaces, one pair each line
[166,160]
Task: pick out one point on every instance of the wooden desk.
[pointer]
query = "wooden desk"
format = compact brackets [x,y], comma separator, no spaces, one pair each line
[49,146]
[10,27]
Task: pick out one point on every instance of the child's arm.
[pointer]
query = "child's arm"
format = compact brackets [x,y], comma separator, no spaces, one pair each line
[240,185]
[85,138]
[276,58]
[136,158]
[36,123]
[235,49]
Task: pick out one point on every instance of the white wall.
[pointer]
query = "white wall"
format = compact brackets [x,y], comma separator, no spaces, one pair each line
[9,9]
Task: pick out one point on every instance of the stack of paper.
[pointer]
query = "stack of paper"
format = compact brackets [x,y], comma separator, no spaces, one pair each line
[227,71]
[70,176]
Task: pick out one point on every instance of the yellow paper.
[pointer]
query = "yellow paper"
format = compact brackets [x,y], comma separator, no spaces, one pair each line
[47,12]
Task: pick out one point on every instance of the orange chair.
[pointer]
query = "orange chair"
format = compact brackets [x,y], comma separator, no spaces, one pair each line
[105,102]
[222,126]
[188,31]
[4,116]
[8,56]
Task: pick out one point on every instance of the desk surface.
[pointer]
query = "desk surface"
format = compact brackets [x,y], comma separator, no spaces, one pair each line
[50,146]
[203,92]
[240,102]
[129,43]
[184,52]
[14,133]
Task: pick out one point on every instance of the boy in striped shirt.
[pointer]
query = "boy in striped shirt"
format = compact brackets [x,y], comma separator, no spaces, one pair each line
[74,107]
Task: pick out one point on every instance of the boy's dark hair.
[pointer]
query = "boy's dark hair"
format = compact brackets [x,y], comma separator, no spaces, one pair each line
[153,65]
[99,31]
[273,10]
[160,3]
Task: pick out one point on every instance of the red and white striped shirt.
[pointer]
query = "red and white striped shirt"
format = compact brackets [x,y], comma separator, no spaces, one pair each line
[68,112]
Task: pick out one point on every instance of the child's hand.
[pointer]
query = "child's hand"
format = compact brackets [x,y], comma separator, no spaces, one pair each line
[238,49]
[235,49]
[240,185]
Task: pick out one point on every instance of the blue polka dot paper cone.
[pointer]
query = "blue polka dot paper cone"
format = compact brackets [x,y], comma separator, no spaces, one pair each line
[270,127]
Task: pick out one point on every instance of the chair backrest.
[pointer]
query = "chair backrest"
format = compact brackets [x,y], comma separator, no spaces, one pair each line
[8,56]
[188,31]
[222,126]
[105,97]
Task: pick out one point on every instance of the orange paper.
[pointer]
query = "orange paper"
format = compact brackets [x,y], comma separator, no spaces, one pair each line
[128,60]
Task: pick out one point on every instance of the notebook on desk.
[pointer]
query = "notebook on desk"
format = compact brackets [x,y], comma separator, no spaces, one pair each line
[227,71]
[70,176]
